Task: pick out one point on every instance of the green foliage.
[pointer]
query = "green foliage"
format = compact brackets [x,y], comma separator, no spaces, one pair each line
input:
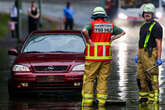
[47,24]
[4,18]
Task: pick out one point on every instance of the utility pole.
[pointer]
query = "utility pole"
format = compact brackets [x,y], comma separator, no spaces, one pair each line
[40,8]
[19,9]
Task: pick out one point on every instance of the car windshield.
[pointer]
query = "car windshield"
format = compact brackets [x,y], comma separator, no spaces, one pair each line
[137,3]
[54,43]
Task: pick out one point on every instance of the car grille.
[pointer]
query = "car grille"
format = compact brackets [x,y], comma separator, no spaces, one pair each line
[51,68]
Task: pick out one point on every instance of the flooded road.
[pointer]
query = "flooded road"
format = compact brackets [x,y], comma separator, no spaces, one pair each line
[122,83]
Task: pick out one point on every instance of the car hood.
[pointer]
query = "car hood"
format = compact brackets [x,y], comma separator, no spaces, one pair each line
[52,58]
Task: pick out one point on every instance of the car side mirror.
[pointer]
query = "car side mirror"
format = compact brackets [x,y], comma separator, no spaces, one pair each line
[13,52]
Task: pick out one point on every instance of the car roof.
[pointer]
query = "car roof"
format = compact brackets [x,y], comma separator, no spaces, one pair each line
[57,31]
[53,32]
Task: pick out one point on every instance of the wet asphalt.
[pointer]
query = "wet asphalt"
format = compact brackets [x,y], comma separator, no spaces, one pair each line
[122,87]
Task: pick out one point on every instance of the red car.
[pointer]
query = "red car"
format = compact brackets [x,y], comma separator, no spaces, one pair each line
[48,61]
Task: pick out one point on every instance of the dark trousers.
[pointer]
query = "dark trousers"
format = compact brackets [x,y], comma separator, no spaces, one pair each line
[33,24]
[69,23]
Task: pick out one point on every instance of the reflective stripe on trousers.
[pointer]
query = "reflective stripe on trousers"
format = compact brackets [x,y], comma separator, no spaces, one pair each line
[102,98]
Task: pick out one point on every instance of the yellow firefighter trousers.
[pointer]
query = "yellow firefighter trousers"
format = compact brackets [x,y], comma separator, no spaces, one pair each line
[93,70]
[147,87]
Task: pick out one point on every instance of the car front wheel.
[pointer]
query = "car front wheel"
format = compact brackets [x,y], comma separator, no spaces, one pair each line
[11,90]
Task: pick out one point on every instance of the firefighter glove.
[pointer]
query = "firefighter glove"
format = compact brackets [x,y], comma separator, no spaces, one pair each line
[158,62]
[136,59]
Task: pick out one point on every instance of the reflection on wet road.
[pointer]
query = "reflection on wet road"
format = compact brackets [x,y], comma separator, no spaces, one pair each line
[122,83]
[44,104]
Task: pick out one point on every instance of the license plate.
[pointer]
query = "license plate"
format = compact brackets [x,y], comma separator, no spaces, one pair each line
[50,78]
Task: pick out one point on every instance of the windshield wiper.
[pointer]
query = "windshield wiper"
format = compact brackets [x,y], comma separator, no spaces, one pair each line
[33,52]
[59,51]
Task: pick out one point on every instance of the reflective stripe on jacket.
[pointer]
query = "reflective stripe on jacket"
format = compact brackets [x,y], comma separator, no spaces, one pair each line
[100,36]
[149,34]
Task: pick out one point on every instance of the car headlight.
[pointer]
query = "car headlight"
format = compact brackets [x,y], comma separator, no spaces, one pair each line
[20,68]
[158,14]
[122,16]
[78,67]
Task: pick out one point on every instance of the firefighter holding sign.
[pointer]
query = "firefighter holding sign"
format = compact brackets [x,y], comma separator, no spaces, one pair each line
[99,34]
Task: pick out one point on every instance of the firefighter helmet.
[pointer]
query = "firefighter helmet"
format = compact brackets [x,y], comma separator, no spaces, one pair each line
[99,12]
[149,8]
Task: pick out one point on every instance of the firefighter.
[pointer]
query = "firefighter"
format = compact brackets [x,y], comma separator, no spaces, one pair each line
[148,55]
[98,34]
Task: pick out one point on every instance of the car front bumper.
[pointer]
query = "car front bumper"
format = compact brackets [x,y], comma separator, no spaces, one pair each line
[48,82]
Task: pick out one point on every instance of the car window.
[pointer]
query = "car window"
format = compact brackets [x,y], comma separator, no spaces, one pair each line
[137,3]
[55,43]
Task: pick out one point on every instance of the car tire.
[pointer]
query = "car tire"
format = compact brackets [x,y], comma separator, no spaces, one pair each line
[11,90]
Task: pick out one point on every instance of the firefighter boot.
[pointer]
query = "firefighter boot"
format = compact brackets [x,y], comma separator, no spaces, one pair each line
[142,100]
[143,97]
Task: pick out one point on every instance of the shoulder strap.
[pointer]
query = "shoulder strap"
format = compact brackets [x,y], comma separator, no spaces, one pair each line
[149,34]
